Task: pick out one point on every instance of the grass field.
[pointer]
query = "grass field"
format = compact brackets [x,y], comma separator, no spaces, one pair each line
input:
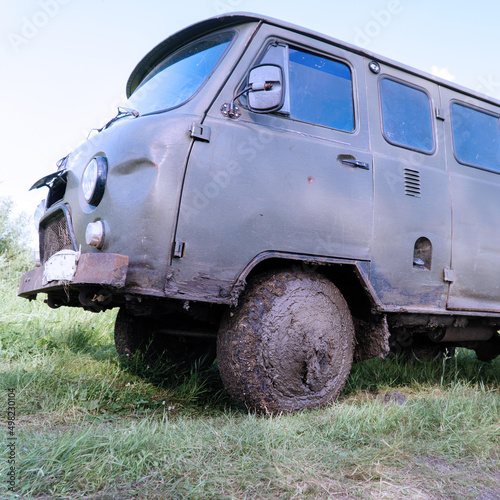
[86,427]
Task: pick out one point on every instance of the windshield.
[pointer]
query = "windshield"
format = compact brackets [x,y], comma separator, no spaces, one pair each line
[178,77]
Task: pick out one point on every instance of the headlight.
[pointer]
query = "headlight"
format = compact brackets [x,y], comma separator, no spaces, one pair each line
[94,180]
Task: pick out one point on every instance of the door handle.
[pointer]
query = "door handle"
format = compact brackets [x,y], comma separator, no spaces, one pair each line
[351,162]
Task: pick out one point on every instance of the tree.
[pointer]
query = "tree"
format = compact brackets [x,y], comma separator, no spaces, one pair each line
[13,234]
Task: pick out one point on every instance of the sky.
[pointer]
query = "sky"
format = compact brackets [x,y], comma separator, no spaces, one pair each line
[65,63]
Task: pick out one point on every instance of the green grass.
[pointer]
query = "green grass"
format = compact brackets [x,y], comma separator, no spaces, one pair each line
[353,448]
[87,427]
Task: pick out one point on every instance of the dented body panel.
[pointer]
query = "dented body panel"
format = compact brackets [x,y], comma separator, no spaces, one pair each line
[202,195]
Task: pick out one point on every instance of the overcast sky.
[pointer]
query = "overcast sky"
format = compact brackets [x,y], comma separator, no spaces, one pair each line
[65,63]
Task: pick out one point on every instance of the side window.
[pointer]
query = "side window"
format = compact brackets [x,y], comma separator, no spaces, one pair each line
[476,137]
[320,91]
[406,116]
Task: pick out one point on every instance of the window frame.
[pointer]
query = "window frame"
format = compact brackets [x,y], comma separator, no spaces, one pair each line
[334,59]
[431,108]
[315,52]
[480,110]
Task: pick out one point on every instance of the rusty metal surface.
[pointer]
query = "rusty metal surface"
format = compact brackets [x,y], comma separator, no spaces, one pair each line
[99,269]
[454,334]
[203,288]
[265,187]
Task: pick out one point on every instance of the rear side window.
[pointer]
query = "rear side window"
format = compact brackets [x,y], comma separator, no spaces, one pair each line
[406,116]
[320,91]
[476,137]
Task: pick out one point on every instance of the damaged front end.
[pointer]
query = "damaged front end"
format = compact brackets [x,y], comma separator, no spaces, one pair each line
[67,276]
[72,279]
[106,226]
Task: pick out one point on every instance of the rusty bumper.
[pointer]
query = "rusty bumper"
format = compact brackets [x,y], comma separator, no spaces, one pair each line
[92,269]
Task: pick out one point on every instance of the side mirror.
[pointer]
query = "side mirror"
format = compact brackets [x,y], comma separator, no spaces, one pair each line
[265,88]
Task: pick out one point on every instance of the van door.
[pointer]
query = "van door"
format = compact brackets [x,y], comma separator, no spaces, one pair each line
[473,151]
[412,213]
[297,181]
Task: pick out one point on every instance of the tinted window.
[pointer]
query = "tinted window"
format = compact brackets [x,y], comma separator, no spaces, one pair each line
[406,116]
[476,137]
[179,76]
[320,91]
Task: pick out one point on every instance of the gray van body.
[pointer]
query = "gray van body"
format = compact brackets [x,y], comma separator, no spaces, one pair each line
[200,197]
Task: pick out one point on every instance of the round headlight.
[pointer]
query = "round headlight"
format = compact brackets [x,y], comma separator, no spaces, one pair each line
[94,180]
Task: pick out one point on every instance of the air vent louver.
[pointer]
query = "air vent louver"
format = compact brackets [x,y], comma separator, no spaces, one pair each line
[412,182]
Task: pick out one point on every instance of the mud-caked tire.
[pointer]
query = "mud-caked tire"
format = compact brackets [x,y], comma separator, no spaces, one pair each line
[141,335]
[288,345]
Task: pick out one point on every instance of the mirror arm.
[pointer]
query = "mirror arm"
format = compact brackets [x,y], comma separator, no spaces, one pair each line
[231,110]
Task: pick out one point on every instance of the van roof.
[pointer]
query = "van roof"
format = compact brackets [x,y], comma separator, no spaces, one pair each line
[216,23]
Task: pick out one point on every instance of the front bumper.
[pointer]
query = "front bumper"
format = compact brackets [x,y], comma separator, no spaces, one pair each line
[106,270]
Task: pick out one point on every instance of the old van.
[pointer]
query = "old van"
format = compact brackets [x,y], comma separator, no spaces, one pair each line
[286,202]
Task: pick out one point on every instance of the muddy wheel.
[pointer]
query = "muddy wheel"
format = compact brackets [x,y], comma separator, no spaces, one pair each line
[141,334]
[289,345]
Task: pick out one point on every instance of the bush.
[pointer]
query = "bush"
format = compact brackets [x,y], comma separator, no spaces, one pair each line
[14,251]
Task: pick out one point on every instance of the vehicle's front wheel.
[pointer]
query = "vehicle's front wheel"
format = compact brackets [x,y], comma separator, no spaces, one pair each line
[289,344]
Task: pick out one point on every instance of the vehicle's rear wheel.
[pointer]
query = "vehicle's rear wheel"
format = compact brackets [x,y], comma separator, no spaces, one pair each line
[143,335]
[289,345]
[488,351]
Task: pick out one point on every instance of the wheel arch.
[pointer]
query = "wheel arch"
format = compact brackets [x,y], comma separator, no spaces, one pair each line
[350,277]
